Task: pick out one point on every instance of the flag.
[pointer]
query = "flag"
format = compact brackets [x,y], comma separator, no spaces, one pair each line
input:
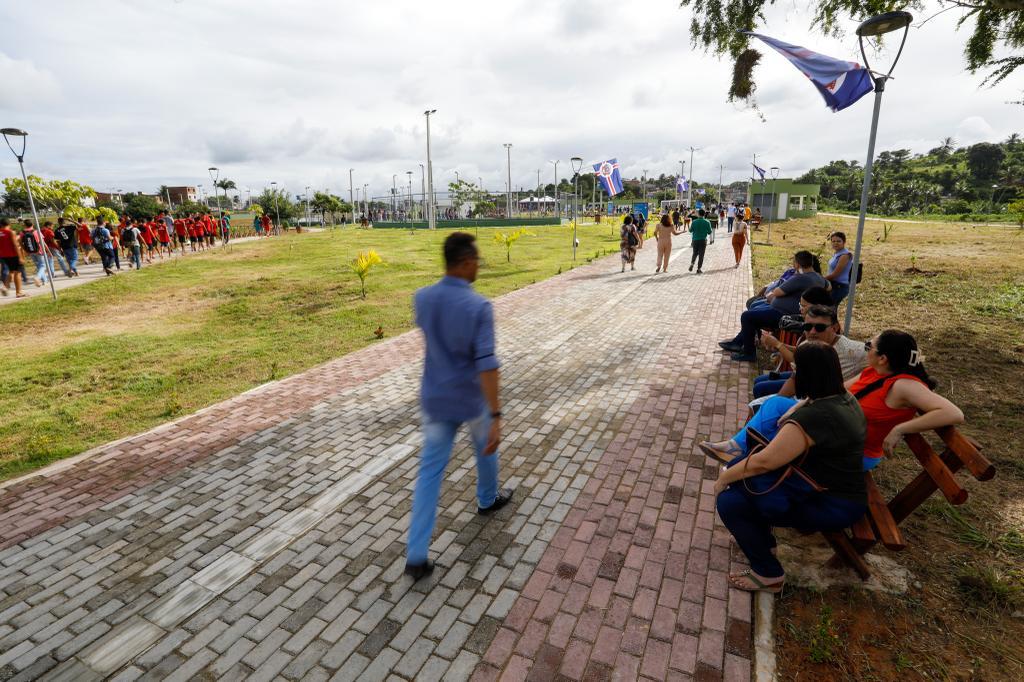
[700,191]
[840,83]
[682,184]
[760,171]
[608,173]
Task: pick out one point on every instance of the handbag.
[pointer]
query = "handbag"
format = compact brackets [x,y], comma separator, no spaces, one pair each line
[774,492]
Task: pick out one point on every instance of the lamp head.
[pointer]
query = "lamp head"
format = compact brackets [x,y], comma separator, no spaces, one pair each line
[428,112]
[577,164]
[884,23]
[13,132]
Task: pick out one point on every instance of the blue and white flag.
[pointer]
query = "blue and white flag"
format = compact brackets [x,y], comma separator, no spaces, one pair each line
[682,184]
[608,173]
[760,171]
[841,83]
[700,191]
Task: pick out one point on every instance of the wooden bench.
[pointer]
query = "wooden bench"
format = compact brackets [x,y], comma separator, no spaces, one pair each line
[881,521]
[790,339]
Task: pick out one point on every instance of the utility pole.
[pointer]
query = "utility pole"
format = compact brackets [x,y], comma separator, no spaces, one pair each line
[508,151]
[351,195]
[643,185]
[720,169]
[689,185]
[557,212]
[431,218]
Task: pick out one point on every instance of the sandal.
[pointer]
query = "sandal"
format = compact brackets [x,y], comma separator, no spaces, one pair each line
[723,456]
[759,585]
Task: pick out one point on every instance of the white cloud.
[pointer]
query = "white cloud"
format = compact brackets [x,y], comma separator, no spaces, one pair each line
[302,92]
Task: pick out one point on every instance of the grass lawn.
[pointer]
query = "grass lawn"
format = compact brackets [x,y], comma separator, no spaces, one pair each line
[960,290]
[124,354]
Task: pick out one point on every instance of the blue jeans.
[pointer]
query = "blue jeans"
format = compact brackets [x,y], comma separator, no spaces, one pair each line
[137,256]
[42,273]
[839,292]
[765,385]
[752,528]
[731,218]
[71,256]
[758,317]
[765,421]
[438,439]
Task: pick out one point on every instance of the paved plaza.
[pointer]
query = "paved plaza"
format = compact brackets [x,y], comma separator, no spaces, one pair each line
[263,537]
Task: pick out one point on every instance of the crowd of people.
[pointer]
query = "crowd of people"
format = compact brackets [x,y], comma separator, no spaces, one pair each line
[738,219]
[137,240]
[799,461]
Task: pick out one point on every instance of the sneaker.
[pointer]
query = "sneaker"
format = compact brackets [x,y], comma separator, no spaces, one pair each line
[744,357]
[503,498]
[731,346]
[699,271]
[4,291]
[417,571]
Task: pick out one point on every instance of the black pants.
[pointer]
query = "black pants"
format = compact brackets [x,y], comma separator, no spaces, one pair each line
[698,253]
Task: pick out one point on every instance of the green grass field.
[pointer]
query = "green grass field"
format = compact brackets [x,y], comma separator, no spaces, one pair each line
[124,354]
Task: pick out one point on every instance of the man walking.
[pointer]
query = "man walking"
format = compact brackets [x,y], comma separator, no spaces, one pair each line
[67,237]
[700,229]
[460,385]
[731,214]
[10,259]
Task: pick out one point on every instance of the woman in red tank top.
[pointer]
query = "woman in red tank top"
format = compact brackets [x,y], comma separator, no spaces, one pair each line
[892,389]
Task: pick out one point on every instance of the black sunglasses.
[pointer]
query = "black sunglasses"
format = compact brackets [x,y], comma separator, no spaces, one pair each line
[868,345]
[816,326]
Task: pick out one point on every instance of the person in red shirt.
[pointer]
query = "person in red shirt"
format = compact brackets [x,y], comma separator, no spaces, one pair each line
[190,225]
[84,240]
[10,259]
[146,228]
[163,237]
[55,251]
[265,220]
[211,231]
[181,233]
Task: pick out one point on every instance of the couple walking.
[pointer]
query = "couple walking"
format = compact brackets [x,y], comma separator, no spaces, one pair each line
[700,230]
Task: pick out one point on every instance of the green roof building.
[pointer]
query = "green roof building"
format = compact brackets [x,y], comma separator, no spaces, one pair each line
[782,198]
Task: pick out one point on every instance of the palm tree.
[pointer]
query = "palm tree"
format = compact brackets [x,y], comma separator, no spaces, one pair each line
[225,185]
[948,145]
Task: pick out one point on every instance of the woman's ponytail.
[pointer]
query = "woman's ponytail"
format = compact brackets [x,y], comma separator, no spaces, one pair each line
[904,357]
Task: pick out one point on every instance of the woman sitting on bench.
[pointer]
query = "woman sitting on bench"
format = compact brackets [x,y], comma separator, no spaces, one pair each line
[897,395]
[808,477]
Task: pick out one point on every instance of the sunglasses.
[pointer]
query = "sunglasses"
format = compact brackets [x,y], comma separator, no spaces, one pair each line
[868,345]
[816,326]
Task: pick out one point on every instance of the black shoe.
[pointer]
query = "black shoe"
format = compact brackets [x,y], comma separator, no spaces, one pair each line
[699,271]
[417,571]
[744,357]
[691,267]
[730,346]
[503,498]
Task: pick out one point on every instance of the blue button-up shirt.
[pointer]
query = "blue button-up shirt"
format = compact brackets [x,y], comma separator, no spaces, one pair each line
[458,324]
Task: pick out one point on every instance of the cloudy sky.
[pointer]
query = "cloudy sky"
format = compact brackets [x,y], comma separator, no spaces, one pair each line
[131,94]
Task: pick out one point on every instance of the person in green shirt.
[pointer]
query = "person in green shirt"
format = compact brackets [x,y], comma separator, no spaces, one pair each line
[700,230]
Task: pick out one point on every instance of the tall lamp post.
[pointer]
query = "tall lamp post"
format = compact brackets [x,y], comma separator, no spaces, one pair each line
[508,151]
[366,200]
[20,156]
[351,195]
[214,176]
[689,185]
[682,176]
[309,216]
[409,211]
[577,164]
[431,218]
[774,170]
[557,212]
[644,185]
[875,26]
[277,209]
[423,192]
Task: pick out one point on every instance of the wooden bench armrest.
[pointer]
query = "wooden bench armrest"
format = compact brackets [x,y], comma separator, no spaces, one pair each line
[936,469]
[968,451]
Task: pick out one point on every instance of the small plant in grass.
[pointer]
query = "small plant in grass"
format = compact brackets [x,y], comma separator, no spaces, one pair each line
[509,239]
[362,264]
[887,229]
[1016,209]
[986,588]
[824,639]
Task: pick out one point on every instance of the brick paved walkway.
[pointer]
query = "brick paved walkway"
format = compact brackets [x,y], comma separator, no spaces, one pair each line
[263,537]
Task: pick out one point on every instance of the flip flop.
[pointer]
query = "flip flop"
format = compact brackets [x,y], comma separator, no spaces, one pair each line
[759,585]
[722,456]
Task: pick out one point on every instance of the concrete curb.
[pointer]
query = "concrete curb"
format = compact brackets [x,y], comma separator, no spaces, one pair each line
[764,638]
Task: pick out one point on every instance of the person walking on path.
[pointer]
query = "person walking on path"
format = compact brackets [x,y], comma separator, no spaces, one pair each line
[629,240]
[10,259]
[839,266]
[84,240]
[32,245]
[700,230]
[663,233]
[739,239]
[103,244]
[730,213]
[131,237]
[460,385]
[55,251]
[67,237]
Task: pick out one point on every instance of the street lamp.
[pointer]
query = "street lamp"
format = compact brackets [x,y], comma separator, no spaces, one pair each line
[351,195]
[20,156]
[394,195]
[875,26]
[774,170]
[682,176]
[215,175]
[309,217]
[366,200]
[431,218]
[992,200]
[277,210]
[644,185]
[577,164]
[409,216]
[556,188]
[423,192]
[508,151]
[689,184]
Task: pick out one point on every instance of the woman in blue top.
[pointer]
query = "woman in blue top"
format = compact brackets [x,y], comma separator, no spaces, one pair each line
[839,266]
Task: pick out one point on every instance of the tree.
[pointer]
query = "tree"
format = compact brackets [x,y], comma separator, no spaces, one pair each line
[141,205]
[509,239]
[362,264]
[716,26]
[57,196]
[984,160]
[1016,209]
[463,192]
[275,202]
[324,203]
